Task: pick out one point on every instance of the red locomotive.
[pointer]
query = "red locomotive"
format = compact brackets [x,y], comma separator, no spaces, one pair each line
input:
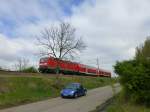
[67,67]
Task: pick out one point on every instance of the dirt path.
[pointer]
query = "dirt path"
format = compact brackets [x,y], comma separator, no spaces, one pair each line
[87,103]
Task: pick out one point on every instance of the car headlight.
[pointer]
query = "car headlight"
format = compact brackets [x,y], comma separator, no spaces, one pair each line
[72,92]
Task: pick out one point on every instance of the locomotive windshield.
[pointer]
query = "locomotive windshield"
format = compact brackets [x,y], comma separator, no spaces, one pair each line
[43,59]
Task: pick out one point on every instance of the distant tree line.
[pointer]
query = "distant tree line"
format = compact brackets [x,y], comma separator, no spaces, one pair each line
[22,65]
[135,75]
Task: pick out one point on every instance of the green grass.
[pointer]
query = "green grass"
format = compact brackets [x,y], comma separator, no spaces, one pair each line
[123,105]
[127,107]
[17,90]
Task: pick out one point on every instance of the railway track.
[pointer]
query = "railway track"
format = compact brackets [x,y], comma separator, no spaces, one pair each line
[16,73]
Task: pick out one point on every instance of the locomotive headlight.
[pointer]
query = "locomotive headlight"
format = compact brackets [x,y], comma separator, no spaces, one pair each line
[43,63]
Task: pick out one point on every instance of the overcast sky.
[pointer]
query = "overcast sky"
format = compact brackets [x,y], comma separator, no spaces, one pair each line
[111,28]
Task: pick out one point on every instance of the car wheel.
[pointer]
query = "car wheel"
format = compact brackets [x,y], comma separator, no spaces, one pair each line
[85,93]
[62,96]
[75,95]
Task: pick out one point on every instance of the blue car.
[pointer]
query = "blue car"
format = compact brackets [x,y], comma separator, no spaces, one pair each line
[73,90]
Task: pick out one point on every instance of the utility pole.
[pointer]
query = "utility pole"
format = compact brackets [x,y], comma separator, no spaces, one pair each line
[97,61]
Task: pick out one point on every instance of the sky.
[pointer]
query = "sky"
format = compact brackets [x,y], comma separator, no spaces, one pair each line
[111,29]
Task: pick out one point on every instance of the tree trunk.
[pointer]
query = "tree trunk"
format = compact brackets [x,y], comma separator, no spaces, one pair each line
[58,81]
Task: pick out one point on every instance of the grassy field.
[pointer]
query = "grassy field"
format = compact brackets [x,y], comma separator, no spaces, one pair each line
[15,89]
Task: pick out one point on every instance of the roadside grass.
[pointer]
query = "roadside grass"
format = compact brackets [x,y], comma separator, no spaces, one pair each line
[20,90]
[127,107]
[118,104]
[121,104]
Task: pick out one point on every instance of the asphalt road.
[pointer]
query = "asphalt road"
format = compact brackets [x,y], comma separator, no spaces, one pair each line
[87,103]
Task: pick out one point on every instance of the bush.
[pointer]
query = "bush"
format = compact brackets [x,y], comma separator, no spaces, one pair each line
[135,74]
[135,78]
[30,70]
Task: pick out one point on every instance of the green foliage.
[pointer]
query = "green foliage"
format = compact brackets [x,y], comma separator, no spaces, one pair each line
[135,78]
[30,70]
[143,51]
[135,75]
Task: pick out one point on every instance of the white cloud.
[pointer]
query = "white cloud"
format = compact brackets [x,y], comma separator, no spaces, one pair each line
[12,49]
[112,29]
[7,47]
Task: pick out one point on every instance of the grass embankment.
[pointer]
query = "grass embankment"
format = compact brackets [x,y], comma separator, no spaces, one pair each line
[118,104]
[17,90]
[121,104]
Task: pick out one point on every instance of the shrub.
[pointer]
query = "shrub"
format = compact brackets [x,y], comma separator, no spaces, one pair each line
[135,78]
[30,70]
[135,74]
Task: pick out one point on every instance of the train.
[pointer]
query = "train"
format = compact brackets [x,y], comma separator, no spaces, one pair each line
[51,65]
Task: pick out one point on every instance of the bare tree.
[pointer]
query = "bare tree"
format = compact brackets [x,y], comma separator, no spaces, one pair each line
[21,64]
[60,42]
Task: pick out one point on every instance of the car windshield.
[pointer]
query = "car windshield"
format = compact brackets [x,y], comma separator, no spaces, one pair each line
[71,86]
